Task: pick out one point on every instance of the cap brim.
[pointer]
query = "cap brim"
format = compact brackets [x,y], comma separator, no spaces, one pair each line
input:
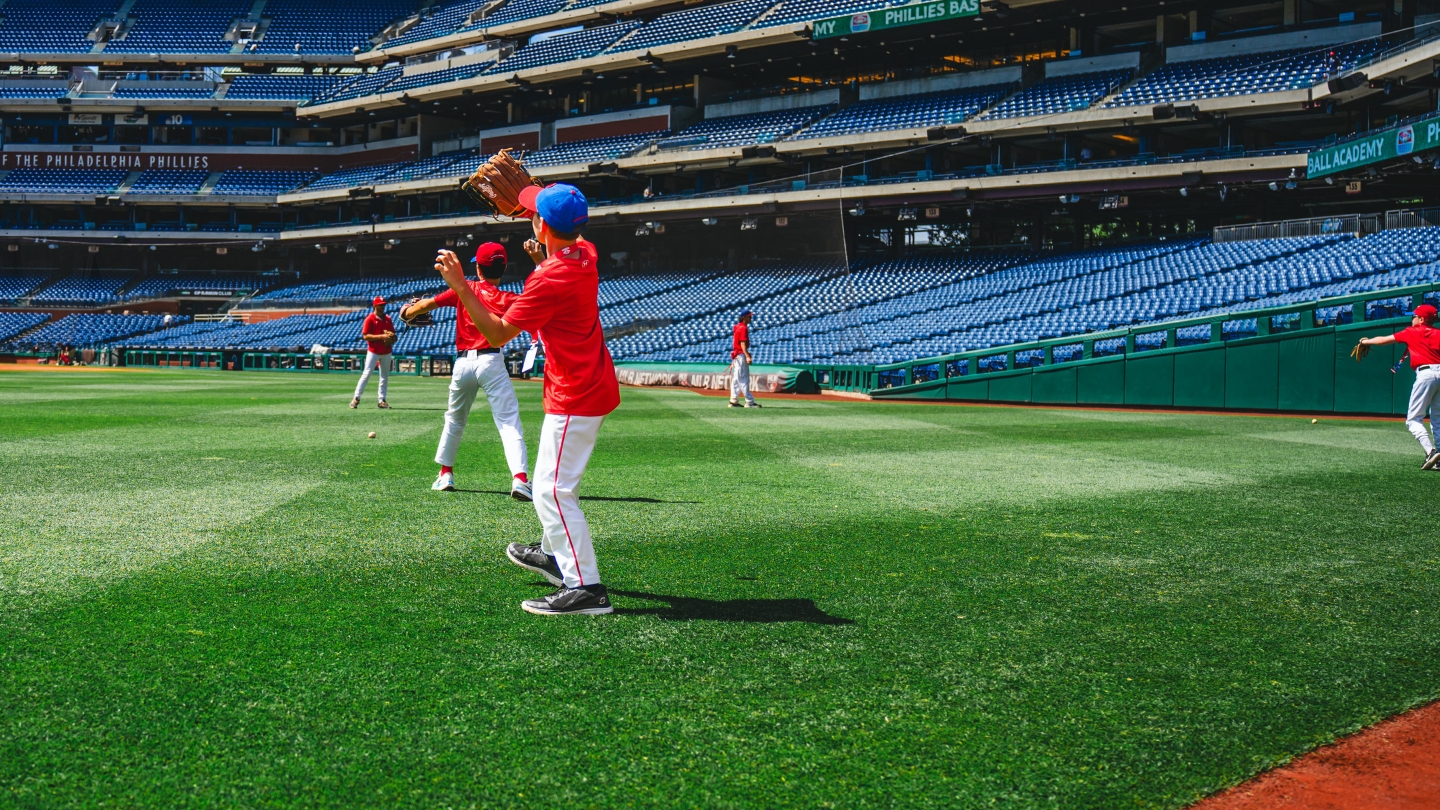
[527,198]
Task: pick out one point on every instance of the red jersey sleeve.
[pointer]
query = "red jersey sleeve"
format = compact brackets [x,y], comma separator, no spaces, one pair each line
[495,299]
[447,299]
[532,309]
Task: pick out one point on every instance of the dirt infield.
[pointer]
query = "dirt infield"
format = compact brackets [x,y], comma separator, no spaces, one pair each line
[1393,765]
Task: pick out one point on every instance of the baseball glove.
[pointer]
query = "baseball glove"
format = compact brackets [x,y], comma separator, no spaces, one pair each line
[497,184]
[421,319]
[1360,351]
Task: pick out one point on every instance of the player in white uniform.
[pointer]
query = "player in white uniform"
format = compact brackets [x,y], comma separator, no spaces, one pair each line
[478,366]
[378,332]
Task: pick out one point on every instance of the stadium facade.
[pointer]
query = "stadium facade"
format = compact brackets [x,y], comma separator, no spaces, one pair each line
[854,170]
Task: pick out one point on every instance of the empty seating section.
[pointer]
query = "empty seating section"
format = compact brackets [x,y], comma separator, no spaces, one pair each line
[798,11]
[98,288]
[590,150]
[61,181]
[363,84]
[739,130]
[721,294]
[180,26]
[159,286]
[355,176]
[443,20]
[420,169]
[46,26]
[95,329]
[427,78]
[695,23]
[391,287]
[816,314]
[1061,94]
[13,323]
[14,285]
[158,90]
[629,288]
[906,112]
[268,184]
[169,181]
[326,26]
[282,87]
[1242,75]
[564,48]
[52,90]
[516,10]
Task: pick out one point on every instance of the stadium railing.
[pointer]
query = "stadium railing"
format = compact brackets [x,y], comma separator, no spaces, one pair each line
[1286,358]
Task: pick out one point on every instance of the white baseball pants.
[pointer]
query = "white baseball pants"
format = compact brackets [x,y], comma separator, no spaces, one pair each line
[1424,401]
[740,379]
[565,446]
[372,362]
[467,377]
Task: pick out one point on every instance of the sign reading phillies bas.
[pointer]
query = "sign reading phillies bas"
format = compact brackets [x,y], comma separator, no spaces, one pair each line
[881,19]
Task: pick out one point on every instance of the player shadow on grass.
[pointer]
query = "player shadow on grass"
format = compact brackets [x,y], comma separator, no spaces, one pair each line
[506,493]
[688,608]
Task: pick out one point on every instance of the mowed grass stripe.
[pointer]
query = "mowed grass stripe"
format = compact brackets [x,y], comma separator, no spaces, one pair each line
[791,633]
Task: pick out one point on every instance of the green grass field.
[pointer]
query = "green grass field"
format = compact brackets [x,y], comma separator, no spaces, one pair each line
[216,592]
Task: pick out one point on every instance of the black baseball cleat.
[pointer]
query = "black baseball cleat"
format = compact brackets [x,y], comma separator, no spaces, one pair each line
[736,405]
[590,600]
[534,558]
[1432,461]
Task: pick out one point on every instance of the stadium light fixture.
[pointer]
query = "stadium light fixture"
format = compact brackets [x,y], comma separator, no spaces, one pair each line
[907,215]
[53,246]
[749,224]
[1184,191]
[710,221]
[1274,186]
[351,249]
[1329,181]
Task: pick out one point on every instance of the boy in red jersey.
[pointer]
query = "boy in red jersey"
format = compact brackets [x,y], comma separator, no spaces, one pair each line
[378,332]
[479,365]
[1423,341]
[560,307]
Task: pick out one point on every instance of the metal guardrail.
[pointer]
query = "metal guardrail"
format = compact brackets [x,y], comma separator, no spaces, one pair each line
[1356,224]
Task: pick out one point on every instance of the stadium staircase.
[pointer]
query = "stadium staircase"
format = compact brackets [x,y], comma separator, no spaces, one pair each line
[19,338]
[208,186]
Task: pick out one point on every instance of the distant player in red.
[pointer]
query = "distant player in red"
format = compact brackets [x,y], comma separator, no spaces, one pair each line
[740,363]
[1423,341]
[378,332]
[560,307]
[478,365]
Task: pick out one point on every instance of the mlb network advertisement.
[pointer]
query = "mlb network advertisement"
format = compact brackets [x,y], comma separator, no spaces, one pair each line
[880,19]
[1386,144]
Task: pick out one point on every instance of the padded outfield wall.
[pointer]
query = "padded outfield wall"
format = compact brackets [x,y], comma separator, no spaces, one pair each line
[1292,364]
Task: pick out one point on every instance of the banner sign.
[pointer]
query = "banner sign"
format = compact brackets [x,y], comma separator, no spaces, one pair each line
[1387,144]
[881,19]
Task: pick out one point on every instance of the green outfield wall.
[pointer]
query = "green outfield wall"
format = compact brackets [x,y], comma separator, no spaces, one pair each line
[1297,359]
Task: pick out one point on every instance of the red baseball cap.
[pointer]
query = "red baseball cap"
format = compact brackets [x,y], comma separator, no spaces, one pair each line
[378,301]
[527,198]
[1427,313]
[489,253]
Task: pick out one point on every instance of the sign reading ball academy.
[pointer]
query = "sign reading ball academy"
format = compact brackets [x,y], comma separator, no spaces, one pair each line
[1376,147]
[883,18]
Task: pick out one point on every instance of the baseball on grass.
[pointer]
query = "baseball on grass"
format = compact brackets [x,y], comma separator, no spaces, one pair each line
[371,436]
[1314,421]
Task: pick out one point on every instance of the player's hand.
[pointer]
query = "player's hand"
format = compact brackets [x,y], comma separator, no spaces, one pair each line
[535,250]
[447,264]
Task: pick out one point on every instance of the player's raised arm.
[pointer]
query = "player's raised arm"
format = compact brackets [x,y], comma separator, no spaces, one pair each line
[496,331]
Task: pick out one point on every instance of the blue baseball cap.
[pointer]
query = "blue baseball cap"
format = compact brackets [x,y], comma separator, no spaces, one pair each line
[563,207]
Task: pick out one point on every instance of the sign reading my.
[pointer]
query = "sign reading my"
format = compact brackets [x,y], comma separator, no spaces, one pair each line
[1386,144]
[880,19]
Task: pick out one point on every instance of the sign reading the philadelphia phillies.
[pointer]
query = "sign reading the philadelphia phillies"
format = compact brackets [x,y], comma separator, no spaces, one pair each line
[880,19]
[1386,144]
